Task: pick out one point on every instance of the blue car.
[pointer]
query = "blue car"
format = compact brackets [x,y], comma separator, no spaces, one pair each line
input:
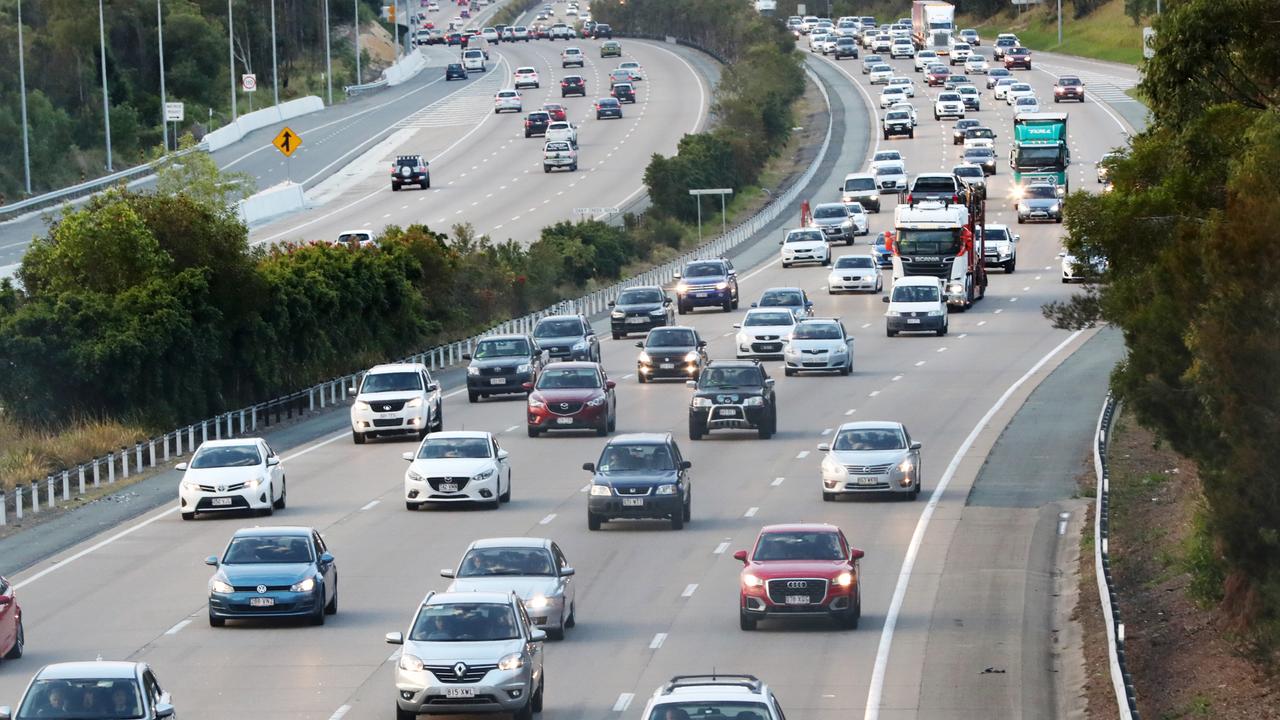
[883,257]
[273,572]
[707,283]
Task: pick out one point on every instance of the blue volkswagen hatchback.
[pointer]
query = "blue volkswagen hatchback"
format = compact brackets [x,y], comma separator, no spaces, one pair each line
[271,572]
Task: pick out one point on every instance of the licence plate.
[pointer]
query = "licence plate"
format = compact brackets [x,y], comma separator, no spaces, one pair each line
[386,416]
[497,381]
[666,366]
[565,421]
[459,692]
[633,502]
[220,501]
[797,599]
[913,321]
[635,321]
[448,487]
[727,412]
[261,602]
[867,480]
[701,295]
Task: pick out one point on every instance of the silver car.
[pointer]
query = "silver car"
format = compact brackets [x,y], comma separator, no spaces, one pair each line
[819,344]
[871,456]
[474,652]
[836,222]
[535,569]
[98,689]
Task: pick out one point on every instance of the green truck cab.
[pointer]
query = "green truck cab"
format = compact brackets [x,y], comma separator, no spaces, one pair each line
[1040,149]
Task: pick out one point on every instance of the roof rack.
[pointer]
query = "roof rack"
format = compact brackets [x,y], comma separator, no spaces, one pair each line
[751,682]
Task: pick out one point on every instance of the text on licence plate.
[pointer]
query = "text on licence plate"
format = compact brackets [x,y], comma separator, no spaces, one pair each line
[867,480]
[220,501]
[497,381]
[261,602]
[636,321]
[727,412]
[448,487]
[913,321]
[797,599]
[459,692]
[565,421]
[666,366]
[633,502]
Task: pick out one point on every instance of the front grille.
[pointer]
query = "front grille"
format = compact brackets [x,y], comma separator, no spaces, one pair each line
[387,405]
[771,347]
[935,269]
[701,288]
[868,469]
[472,673]
[229,488]
[767,337]
[564,408]
[394,422]
[254,588]
[634,490]
[814,588]
[436,482]
[497,370]
[813,352]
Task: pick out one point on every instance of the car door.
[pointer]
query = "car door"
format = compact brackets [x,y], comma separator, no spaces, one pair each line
[8,618]
[275,469]
[534,648]
[566,582]
[328,570]
[504,466]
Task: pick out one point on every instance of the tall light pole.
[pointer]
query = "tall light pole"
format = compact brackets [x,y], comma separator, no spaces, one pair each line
[328,65]
[164,100]
[275,69]
[1060,21]
[356,5]
[231,57]
[22,82]
[106,104]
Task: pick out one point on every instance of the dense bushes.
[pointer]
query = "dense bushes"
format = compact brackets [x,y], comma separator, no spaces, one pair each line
[154,307]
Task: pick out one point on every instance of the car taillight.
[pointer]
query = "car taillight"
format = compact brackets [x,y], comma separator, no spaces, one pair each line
[908,199]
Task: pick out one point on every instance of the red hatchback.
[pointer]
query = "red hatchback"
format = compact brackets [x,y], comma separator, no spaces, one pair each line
[556,111]
[800,570]
[936,75]
[11,635]
[572,396]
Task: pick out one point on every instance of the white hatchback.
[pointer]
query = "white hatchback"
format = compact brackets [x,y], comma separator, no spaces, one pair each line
[526,77]
[454,467]
[507,100]
[805,245]
[225,475]
[1026,104]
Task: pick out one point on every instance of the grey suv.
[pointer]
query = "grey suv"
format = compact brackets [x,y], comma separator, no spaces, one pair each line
[567,337]
[641,475]
[469,652]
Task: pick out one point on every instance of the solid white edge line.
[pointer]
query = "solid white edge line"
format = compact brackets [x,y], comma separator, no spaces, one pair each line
[624,701]
[876,689]
[340,712]
[178,628]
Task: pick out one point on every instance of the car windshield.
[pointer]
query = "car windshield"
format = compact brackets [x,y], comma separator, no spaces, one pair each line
[799,236]
[438,448]
[650,457]
[820,331]
[979,154]
[915,293]
[889,170]
[854,261]
[465,622]
[799,545]
[514,347]
[640,296]
[99,699]
[689,710]
[1043,192]
[1000,72]
[882,68]
[557,378]
[870,439]
[391,382]
[564,327]
[859,184]
[830,211]
[781,298]
[226,456]
[714,377]
[484,562]
[768,319]
[1025,101]
[1068,81]
[264,549]
[980,133]
[703,270]
[670,337]
[996,235]
[898,115]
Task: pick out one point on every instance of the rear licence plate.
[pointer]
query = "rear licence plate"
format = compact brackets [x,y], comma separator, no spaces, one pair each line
[633,502]
[498,381]
[459,692]
[216,502]
[448,487]
[261,602]
[565,421]
[797,599]
[867,480]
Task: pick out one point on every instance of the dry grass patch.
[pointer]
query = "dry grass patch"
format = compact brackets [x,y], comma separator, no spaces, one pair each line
[30,453]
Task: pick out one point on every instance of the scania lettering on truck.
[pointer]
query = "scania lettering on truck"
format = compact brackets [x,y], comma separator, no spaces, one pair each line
[937,238]
[932,23]
[1040,149]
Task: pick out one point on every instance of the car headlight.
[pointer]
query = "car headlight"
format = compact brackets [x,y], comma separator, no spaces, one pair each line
[597,402]
[906,466]
[414,476]
[219,586]
[617,314]
[844,579]
[955,288]
[524,367]
[580,345]
[839,350]
[1054,207]
[536,404]
[305,586]
[643,358]
[483,475]
[750,580]
[190,486]
[667,489]
[414,403]
[410,663]
[1022,207]
[691,357]
[701,402]
[601,490]
[252,483]
[755,401]
[361,405]
[659,312]
[893,313]
[937,313]
[847,223]
[514,661]
[537,602]
[682,288]
[473,370]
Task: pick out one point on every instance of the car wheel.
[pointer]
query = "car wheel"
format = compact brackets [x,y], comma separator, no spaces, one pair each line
[188,516]
[613,421]
[915,493]
[677,520]
[848,368]
[270,509]
[891,333]
[19,643]
[546,168]
[640,378]
[593,521]
[395,187]
[438,425]
[943,331]
[506,496]
[411,506]
[357,438]
[850,620]
[828,497]
[422,434]
[764,432]
[734,305]
[573,616]
[426,185]
[696,431]
[332,607]
[1009,266]
[215,621]
[473,397]
[284,494]
[681,309]
[533,431]
[536,702]
[788,372]
[525,712]
[745,621]
[912,135]
[317,617]
[786,265]
[603,430]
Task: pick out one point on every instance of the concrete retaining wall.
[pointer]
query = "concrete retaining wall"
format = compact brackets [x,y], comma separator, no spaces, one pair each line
[257,119]
[275,200]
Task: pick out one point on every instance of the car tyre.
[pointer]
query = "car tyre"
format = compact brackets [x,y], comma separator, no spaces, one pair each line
[546,168]
[696,431]
[533,431]
[473,397]
[640,378]
[215,621]
[890,333]
[188,516]
[525,712]
[745,621]
[506,496]
[317,618]
[358,438]
[764,432]
[284,494]
[603,430]
[593,521]
[828,497]
[943,331]
[1009,266]
[412,506]
[677,519]
[405,714]
[848,368]
[788,372]
[536,701]
[332,607]
[438,425]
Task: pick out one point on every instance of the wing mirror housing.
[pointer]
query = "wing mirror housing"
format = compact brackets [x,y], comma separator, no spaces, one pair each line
[567,572]
[394,638]
[915,445]
[589,467]
[211,560]
[527,386]
[180,466]
[686,464]
[824,447]
[610,384]
[768,382]
[640,344]
[741,556]
[856,554]
[503,454]
[466,356]
[164,710]
[273,461]
[326,557]
[446,573]
[407,456]
[885,299]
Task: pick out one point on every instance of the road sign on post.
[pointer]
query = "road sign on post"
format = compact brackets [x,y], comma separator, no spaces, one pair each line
[249,83]
[174,112]
[1148,42]
[287,142]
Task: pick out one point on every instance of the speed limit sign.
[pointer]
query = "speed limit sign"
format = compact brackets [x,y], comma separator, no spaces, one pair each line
[249,82]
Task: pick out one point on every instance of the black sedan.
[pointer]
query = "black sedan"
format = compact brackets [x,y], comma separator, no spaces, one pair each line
[671,352]
[640,309]
[501,365]
[608,108]
[455,71]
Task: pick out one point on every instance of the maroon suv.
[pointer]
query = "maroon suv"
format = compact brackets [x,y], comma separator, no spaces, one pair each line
[1068,87]
[11,636]
[1017,57]
[572,396]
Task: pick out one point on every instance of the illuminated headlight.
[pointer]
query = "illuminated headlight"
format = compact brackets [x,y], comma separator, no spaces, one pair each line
[844,579]
[514,661]
[414,403]
[596,402]
[601,490]
[305,586]
[722,285]
[847,223]
[361,405]
[702,402]
[667,489]
[252,483]
[537,602]
[644,358]
[906,466]
[536,403]
[410,663]
[1054,207]
[1022,207]
[617,314]
[955,288]
[524,368]
[682,288]
[690,357]
[893,313]
[483,475]
[750,580]
[190,486]
[415,477]
[755,401]
[473,370]
[219,586]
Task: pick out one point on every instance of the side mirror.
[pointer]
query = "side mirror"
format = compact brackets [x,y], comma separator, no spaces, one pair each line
[808,303]
[754,305]
[273,461]
[6,712]
[610,384]
[916,445]
[326,558]
[503,454]
[537,635]
[164,710]
[856,554]
[407,456]
[640,344]
[1061,254]
[741,556]
[686,464]
[612,303]
[1017,238]
[394,638]
[211,560]
[768,382]
[446,573]
[5,600]
[675,275]
[702,343]
[666,301]
[780,242]
[737,326]
[824,447]
[691,383]
[589,467]
[527,386]
[885,299]
[183,466]
[466,356]
[733,273]
[433,387]
[567,572]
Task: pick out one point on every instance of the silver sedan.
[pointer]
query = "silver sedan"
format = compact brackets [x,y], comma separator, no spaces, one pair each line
[871,456]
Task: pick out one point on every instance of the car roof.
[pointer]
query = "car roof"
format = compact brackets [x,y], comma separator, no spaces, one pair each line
[394,367]
[509,336]
[231,442]
[449,598]
[508,542]
[88,670]
[801,526]
[641,287]
[642,438]
[722,362]
[566,316]
[923,280]
[460,434]
[261,531]
[870,425]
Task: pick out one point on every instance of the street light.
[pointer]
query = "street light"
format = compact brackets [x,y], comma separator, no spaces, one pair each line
[164,101]
[356,5]
[275,69]
[231,57]
[714,191]
[22,82]
[106,104]
[328,66]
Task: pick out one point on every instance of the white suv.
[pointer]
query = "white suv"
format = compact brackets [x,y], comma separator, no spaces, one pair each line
[718,695]
[526,77]
[948,104]
[396,399]
[243,474]
[572,56]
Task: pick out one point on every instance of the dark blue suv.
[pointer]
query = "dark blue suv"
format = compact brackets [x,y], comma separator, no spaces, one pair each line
[707,283]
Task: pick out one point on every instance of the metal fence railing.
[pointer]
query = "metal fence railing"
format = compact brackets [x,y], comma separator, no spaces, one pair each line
[63,486]
[1121,680]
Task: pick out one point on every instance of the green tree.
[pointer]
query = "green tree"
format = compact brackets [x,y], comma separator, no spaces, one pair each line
[198,177]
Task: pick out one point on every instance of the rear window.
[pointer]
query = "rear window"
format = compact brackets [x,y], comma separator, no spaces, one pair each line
[539,117]
[558,146]
[934,184]
[609,102]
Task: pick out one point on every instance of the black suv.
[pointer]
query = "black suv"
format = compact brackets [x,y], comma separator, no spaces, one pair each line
[707,282]
[640,309]
[455,71]
[733,394]
[573,85]
[602,31]
[410,170]
[671,352]
[642,476]
[567,337]
[535,123]
[501,365]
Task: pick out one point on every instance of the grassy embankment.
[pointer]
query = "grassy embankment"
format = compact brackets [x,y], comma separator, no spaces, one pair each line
[1105,34]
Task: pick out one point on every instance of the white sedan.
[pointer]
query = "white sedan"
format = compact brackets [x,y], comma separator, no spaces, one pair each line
[1018,90]
[924,59]
[1026,104]
[892,94]
[976,64]
[891,177]
[880,74]
[885,157]
[764,332]
[1001,89]
[633,67]
[855,273]
[226,475]
[462,466]
[805,245]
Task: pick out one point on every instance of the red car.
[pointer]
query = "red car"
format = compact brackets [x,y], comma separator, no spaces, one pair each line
[12,639]
[556,111]
[800,570]
[572,396]
[1017,57]
[936,75]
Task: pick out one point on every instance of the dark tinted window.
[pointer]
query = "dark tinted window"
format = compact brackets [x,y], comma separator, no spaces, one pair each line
[646,457]
[703,270]
[562,327]
[640,295]
[800,545]
[670,337]
[465,622]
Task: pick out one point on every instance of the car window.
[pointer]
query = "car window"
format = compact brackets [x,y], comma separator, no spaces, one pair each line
[559,327]
[321,547]
[887,155]
[637,296]
[798,545]
[869,439]
[915,293]
[515,561]
[898,115]
[465,622]
[822,331]
[89,697]
[406,381]
[797,236]
[863,183]
[889,170]
[266,549]
[226,456]
[703,270]
[854,261]
[933,183]
[769,319]
[451,448]
[833,210]
[670,337]
[717,709]
[513,347]
[721,377]
[1041,191]
[648,457]
[557,378]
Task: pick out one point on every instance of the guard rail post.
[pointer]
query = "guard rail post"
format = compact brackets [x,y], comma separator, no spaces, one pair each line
[151,450]
[4,520]
[111,468]
[50,495]
[35,497]
[17,502]
[97,481]
[80,478]
[137,456]
[66,485]
[124,462]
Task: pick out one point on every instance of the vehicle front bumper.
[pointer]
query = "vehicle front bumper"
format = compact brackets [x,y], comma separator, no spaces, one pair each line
[904,324]
[627,325]
[588,418]
[819,254]
[838,603]
[652,507]
[740,417]
[843,482]
[838,233]
[408,420]
[799,360]
[500,691]
[563,354]
[702,297]
[286,604]
[498,384]
[259,498]
[853,282]
[898,129]
[469,490]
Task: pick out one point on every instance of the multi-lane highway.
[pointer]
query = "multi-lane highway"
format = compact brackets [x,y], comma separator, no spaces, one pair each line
[652,602]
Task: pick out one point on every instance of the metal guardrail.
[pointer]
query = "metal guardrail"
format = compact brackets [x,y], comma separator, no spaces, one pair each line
[62,487]
[1121,680]
[356,89]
